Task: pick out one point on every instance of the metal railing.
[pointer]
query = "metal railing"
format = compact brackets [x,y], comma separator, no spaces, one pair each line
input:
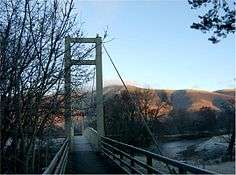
[92,136]
[124,156]
[58,164]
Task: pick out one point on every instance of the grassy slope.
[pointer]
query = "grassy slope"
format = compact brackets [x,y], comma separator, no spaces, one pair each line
[190,100]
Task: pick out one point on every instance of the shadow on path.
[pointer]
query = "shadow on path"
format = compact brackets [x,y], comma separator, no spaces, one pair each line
[84,160]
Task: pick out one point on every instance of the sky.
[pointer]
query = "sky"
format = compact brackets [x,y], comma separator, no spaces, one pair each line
[153,45]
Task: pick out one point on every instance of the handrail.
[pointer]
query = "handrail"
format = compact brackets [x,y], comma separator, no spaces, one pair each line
[133,159]
[109,143]
[107,152]
[58,163]
[92,136]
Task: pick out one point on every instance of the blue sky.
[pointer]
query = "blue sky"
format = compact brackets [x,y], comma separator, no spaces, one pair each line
[155,47]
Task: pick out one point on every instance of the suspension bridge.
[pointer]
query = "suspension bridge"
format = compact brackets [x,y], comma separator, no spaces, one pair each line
[93,152]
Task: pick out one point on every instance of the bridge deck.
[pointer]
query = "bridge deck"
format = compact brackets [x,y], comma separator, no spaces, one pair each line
[84,160]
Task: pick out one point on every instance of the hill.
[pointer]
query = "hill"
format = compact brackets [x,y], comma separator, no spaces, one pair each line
[188,99]
[179,113]
[230,92]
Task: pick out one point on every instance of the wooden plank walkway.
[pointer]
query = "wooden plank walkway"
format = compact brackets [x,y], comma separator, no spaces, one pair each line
[85,160]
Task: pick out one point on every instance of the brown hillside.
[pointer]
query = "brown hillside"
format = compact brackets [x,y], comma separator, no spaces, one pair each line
[193,100]
[230,92]
[189,100]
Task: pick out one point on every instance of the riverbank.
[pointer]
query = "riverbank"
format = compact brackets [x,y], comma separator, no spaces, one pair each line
[206,152]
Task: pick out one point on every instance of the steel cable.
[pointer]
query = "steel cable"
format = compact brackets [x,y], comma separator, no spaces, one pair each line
[135,105]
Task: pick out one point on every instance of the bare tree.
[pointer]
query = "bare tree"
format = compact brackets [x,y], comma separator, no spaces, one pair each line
[229,110]
[151,103]
[31,53]
[219,20]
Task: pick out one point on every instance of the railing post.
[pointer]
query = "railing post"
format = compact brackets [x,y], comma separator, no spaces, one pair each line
[149,162]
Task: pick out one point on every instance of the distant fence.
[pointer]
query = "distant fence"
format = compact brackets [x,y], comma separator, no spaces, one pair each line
[58,164]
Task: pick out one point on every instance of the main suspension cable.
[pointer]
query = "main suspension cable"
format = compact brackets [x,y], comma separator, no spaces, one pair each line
[135,105]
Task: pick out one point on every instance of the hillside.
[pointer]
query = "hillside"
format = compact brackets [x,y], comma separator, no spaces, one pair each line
[189,100]
[230,92]
[193,100]
[170,112]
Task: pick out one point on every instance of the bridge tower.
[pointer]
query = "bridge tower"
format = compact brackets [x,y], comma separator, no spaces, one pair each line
[68,62]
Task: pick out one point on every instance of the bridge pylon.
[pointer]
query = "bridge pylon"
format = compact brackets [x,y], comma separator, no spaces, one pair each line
[68,62]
